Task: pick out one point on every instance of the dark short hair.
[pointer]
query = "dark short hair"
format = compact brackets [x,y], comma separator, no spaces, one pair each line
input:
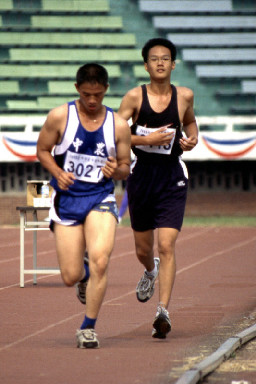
[92,73]
[158,41]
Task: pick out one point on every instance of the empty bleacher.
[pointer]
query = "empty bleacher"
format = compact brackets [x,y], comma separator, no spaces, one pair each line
[186,6]
[50,39]
[208,39]
[55,5]
[204,22]
[217,40]
[48,71]
[219,55]
[44,42]
[226,71]
[249,86]
[74,55]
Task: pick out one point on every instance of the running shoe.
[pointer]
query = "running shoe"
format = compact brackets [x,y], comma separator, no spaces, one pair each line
[146,285]
[162,323]
[87,338]
[81,286]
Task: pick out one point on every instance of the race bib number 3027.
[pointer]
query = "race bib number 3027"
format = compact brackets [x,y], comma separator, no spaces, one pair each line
[85,167]
[162,149]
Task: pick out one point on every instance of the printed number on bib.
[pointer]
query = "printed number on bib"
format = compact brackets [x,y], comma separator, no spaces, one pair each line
[162,149]
[84,167]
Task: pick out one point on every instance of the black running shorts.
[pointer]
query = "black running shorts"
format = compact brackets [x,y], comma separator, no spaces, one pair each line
[157,195]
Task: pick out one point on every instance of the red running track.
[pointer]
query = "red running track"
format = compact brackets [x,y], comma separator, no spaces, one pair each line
[214,288]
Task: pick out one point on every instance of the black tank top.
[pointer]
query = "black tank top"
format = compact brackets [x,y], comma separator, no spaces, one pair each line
[151,119]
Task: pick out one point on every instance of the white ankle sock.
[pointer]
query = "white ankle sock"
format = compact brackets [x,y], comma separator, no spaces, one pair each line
[153,272]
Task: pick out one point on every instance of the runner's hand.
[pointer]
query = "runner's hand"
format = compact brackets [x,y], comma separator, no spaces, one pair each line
[65,179]
[110,167]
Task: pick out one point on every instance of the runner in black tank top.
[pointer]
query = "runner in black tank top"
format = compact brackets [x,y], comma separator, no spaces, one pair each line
[149,118]
[157,186]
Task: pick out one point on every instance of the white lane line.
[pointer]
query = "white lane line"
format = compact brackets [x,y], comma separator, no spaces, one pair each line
[219,253]
[10,345]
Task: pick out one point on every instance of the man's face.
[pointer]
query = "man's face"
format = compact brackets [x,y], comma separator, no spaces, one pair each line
[91,96]
[159,64]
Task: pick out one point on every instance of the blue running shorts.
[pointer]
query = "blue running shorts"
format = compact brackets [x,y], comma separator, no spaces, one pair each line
[71,210]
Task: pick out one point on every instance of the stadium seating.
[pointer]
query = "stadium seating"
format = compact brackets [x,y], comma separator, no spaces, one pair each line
[48,71]
[226,71]
[194,6]
[50,39]
[9,87]
[206,22]
[220,39]
[44,42]
[74,55]
[219,55]
[44,103]
[77,22]
[216,42]
[67,5]
[55,5]
[249,86]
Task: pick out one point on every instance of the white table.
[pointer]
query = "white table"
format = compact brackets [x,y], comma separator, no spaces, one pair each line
[35,225]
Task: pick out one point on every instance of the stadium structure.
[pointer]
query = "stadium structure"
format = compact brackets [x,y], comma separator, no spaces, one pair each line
[43,42]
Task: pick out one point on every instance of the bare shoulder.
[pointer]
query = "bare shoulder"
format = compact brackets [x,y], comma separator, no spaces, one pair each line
[120,123]
[133,93]
[132,98]
[186,93]
[56,119]
[58,113]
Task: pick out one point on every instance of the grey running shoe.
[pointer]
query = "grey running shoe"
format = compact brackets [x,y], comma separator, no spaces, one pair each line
[87,338]
[81,286]
[146,285]
[162,323]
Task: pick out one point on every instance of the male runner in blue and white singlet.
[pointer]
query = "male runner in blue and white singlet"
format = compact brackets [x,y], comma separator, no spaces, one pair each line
[157,186]
[91,148]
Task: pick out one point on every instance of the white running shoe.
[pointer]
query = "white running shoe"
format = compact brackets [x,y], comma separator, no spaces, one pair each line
[81,286]
[146,285]
[161,324]
[87,338]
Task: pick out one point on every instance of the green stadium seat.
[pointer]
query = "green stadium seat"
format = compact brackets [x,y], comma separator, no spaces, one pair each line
[243,109]
[75,55]
[6,5]
[22,105]
[44,104]
[76,5]
[62,87]
[140,72]
[52,102]
[9,87]
[53,6]
[71,39]
[49,71]
[74,22]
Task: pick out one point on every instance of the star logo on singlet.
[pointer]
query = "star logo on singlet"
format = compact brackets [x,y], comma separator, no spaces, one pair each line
[77,144]
[99,150]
